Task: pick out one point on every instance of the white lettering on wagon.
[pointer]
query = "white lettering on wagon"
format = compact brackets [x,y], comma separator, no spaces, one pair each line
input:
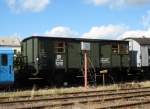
[105,60]
[59,61]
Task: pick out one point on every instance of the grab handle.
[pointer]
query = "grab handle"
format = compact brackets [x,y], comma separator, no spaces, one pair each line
[10,69]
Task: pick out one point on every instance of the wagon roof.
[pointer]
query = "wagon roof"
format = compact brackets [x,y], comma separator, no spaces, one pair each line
[74,39]
[141,41]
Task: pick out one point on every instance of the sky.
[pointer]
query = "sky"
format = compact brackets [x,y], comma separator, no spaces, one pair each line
[100,19]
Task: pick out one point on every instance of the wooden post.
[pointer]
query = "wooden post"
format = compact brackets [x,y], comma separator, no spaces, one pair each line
[85,46]
[85,69]
[103,72]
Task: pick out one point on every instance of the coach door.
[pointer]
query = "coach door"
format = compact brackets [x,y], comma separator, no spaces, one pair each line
[5,68]
[105,56]
[74,55]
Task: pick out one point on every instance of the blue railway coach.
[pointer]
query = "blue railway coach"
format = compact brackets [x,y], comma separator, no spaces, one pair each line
[6,66]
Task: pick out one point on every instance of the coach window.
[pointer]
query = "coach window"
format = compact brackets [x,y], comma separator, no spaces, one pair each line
[4,59]
[123,48]
[115,48]
[60,47]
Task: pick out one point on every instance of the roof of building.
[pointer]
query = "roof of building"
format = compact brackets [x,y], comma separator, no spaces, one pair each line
[141,41]
[9,41]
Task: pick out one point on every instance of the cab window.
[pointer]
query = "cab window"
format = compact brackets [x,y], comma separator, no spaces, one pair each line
[60,47]
[123,48]
[115,48]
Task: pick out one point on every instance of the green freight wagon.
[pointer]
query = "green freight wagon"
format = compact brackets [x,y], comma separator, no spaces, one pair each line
[59,61]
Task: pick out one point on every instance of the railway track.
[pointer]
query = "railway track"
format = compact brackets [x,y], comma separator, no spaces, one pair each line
[126,104]
[77,92]
[101,98]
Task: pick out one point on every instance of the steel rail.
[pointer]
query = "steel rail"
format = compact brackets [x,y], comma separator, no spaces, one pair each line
[125,105]
[81,100]
[64,97]
[67,103]
[76,93]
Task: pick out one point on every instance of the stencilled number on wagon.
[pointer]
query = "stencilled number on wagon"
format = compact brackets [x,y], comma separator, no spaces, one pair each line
[59,61]
[105,60]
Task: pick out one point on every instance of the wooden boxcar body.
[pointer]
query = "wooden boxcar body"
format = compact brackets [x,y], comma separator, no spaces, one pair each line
[60,60]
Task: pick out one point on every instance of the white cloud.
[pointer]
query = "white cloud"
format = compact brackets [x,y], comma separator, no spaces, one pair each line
[106,32]
[97,2]
[96,32]
[61,31]
[99,32]
[27,5]
[137,2]
[116,3]
[135,33]
[146,20]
